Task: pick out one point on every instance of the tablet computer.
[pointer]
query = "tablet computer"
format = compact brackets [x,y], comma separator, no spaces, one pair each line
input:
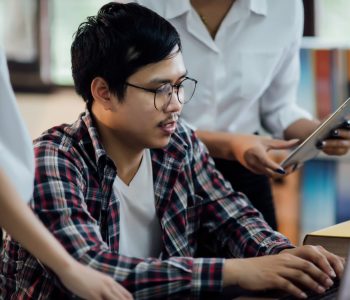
[308,148]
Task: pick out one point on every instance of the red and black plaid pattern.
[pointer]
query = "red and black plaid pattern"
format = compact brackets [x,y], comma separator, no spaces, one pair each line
[199,213]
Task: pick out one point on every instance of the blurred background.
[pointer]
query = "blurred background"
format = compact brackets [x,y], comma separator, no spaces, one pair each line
[37,35]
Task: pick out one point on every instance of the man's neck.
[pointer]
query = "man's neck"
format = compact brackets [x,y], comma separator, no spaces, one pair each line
[126,158]
[126,161]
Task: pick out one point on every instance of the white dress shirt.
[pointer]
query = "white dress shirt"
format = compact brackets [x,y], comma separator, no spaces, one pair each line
[248,75]
[16,150]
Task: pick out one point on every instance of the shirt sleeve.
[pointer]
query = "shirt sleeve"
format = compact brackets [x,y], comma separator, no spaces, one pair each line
[16,150]
[234,228]
[59,202]
[278,104]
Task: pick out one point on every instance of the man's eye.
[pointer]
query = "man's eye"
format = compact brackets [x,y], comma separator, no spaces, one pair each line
[165,89]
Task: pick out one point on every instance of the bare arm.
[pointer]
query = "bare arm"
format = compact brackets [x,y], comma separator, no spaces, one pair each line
[301,129]
[337,144]
[250,150]
[19,221]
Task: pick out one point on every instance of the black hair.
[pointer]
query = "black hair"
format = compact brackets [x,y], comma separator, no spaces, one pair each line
[116,43]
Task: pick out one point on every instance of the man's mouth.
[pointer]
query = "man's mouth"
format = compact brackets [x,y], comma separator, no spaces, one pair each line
[169,125]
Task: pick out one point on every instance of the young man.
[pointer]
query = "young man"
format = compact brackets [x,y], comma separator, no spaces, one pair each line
[130,190]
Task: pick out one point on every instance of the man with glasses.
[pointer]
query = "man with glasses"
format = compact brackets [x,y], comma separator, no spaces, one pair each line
[162,95]
[129,190]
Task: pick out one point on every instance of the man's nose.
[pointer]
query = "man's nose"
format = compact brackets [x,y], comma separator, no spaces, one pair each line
[174,105]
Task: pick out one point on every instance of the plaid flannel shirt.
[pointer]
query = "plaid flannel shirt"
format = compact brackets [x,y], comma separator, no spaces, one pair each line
[199,213]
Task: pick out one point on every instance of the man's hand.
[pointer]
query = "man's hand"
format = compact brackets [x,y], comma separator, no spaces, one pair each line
[293,271]
[330,263]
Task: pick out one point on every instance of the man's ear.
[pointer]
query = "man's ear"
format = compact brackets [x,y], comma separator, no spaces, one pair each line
[101,93]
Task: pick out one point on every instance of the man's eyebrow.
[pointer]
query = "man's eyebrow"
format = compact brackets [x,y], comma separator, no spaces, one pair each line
[163,80]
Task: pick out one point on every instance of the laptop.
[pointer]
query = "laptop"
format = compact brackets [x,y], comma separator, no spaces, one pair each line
[339,291]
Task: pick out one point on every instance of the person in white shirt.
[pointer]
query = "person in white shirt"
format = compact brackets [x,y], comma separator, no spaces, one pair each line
[245,55]
[16,187]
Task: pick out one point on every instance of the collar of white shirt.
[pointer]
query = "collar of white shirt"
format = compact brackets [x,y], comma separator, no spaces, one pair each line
[170,9]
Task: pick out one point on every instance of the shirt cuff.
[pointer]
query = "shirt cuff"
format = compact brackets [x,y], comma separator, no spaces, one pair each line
[207,275]
[287,117]
[277,248]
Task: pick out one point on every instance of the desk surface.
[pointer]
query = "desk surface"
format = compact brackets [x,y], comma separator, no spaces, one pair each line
[236,293]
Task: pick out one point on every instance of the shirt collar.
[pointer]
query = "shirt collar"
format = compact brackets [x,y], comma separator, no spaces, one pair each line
[258,6]
[94,139]
[173,8]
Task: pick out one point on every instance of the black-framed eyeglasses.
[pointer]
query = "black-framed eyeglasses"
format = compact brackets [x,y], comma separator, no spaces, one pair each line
[162,95]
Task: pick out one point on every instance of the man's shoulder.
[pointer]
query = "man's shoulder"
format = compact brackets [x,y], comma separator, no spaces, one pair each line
[62,137]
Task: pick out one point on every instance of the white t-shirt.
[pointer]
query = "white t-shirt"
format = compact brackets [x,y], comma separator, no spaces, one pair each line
[16,150]
[140,231]
[249,74]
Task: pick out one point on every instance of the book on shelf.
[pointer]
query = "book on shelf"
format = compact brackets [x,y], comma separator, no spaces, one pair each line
[323,82]
[343,192]
[324,76]
[306,90]
[318,195]
[324,193]
[335,239]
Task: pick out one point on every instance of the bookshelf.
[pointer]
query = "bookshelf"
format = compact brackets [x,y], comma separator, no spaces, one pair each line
[318,195]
